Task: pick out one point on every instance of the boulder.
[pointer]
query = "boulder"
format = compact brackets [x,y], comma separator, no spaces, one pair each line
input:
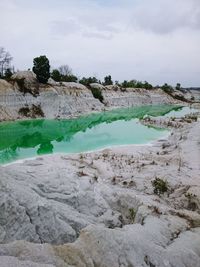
[26,82]
[97,86]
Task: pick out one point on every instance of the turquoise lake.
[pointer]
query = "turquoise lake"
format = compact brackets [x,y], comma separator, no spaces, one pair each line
[25,139]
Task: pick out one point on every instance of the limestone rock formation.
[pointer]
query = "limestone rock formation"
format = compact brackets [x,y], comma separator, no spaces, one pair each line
[105,202]
[26,82]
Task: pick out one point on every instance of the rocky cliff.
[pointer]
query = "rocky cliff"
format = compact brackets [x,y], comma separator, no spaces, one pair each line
[23,97]
[100,209]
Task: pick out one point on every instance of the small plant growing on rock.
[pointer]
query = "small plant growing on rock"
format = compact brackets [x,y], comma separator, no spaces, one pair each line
[160,186]
[132,214]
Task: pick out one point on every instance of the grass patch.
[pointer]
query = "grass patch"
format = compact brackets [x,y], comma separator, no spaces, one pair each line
[132,214]
[160,186]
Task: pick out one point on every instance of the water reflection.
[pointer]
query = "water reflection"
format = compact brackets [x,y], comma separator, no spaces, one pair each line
[35,137]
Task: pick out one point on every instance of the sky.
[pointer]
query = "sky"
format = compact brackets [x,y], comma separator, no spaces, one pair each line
[153,40]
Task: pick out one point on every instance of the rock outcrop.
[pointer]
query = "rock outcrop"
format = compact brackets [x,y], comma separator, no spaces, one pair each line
[100,209]
[105,202]
[55,101]
[65,100]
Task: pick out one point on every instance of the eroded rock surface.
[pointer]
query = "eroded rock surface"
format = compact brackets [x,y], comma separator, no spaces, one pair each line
[105,202]
[65,100]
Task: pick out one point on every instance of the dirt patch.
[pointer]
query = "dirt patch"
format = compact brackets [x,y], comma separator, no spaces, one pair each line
[34,111]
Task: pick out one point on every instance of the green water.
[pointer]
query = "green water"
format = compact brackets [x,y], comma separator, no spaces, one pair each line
[25,139]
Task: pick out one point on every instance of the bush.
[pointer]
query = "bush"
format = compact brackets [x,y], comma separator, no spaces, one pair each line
[69,78]
[167,88]
[108,80]
[41,68]
[55,75]
[136,84]
[97,94]
[160,186]
[180,97]
[88,81]
[132,214]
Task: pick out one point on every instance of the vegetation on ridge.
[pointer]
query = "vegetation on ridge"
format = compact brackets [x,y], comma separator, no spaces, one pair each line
[42,69]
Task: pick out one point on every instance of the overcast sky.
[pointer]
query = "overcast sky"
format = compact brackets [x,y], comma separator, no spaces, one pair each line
[153,40]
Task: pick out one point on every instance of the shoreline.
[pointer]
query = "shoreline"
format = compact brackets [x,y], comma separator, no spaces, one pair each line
[111,147]
[91,207]
[93,112]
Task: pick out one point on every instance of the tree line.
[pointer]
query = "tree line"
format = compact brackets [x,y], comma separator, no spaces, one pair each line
[42,69]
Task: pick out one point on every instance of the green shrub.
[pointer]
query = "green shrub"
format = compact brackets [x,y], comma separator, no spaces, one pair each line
[132,214]
[97,94]
[55,75]
[160,186]
[167,88]
[88,81]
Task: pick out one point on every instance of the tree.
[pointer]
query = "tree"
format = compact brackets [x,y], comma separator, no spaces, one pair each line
[65,70]
[41,68]
[178,86]
[70,78]
[147,85]
[108,80]
[55,75]
[8,73]
[63,74]
[5,60]
[139,84]
[125,84]
[167,88]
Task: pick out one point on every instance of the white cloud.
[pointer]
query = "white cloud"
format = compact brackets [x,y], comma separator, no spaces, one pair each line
[161,16]
[155,40]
